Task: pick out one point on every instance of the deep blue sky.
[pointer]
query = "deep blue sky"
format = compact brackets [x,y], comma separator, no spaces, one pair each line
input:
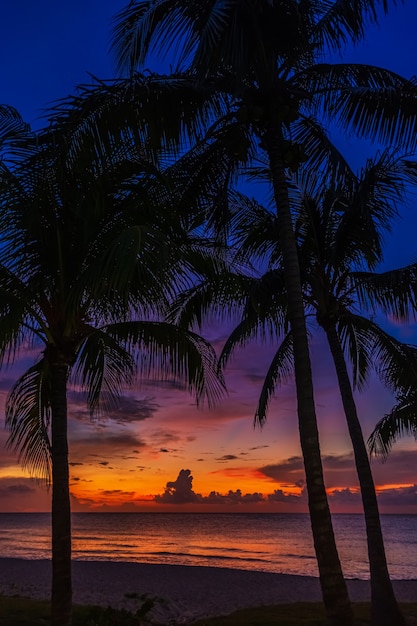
[48,47]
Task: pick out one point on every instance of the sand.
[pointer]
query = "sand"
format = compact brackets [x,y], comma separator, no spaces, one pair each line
[182,593]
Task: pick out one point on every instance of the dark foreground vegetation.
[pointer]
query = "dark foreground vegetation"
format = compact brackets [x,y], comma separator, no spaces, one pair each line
[16,611]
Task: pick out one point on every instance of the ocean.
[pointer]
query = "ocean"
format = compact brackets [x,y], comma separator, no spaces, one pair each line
[280,543]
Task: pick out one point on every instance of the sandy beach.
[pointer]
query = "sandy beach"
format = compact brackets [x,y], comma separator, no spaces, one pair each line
[182,593]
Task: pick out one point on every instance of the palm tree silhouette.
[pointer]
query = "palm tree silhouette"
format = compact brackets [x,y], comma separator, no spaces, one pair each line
[267,58]
[90,255]
[339,230]
[339,234]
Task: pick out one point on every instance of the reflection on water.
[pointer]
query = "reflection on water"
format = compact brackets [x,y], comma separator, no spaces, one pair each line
[266,542]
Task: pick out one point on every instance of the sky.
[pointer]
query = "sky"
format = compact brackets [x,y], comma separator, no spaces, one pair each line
[159,451]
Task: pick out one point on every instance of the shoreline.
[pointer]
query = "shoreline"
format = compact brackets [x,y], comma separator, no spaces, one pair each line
[182,593]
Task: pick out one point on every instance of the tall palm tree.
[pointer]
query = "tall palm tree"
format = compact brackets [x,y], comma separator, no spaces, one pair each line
[267,56]
[339,231]
[340,234]
[90,255]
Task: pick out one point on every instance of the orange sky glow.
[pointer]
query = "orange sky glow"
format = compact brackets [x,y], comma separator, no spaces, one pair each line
[160,452]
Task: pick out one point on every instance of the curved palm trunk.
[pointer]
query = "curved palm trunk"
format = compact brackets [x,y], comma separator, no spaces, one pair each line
[385,610]
[61,514]
[333,586]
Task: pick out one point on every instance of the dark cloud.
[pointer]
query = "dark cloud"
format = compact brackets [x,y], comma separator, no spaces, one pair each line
[254,378]
[401,496]
[162,437]
[279,472]
[80,479]
[398,497]
[339,471]
[280,496]
[294,464]
[345,496]
[114,441]
[233,497]
[128,408]
[104,447]
[338,461]
[179,491]
[397,468]
[23,494]
[16,489]
[163,383]
[227,457]
[117,492]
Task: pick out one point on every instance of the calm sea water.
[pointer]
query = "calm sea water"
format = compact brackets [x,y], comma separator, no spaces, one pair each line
[265,542]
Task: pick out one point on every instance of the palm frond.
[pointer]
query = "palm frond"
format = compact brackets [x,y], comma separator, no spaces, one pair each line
[28,417]
[374,103]
[394,291]
[353,331]
[400,421]
[371,347]
[398,368]
[280,369]
[219,297]
[346,21]
[324,164]
[14,131]
[104,369]
[254,232]
[171,353]
[142,26]
[264,316]
[160,113]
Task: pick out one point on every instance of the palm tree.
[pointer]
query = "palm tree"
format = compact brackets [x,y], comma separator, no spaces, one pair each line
[267,57]
[339,232]
[90,255]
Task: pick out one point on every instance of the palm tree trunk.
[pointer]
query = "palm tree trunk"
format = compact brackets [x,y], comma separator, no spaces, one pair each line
[61,513]
[385,610]
[333,586]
